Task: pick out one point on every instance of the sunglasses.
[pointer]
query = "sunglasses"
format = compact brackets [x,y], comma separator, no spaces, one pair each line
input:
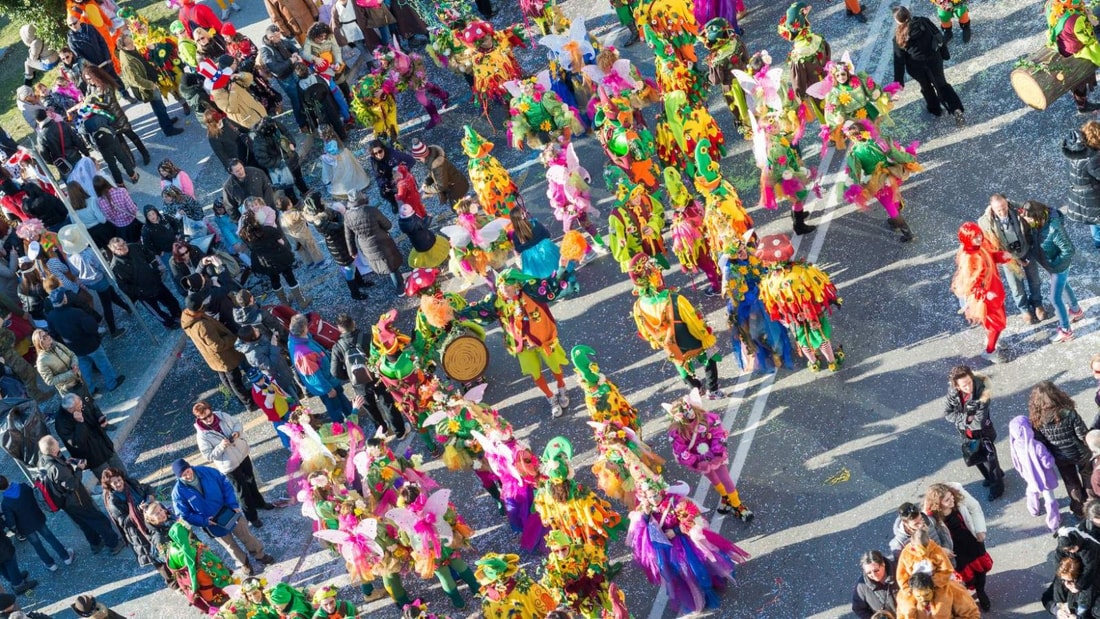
[378,152]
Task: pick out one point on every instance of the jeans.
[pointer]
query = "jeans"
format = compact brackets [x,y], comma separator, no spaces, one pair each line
[341,102]
[1094,229]
[1060,290]
[46,534]
[161,112]
[11,572]
[290,87]
[1026,303]
[99,359]
[338,407]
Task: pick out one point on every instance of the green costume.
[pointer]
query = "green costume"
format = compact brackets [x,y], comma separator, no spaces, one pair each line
[601,396]
[207,572]
[290,602]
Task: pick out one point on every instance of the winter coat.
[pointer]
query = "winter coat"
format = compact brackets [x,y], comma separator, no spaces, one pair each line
[367,230]
[972,418]
[276,57]
[138,74]
[1065,437]
[950,602]
[108,98]
[87,439]
[920,51]
[337,356]
[224,458]
[55,366]
[21,511]
[255,183]
[75,328]
[1058,594]
[1051,245]
[271,254]
[159,237]
[197,508]
[330,225]
[237,103]
[192,90]
[311,362]
[57,140]
[269,359]
[265,323]
[993,229]
[293,17]
[1030,458]
[1083,201]
[937,532]
[870,597]
[385,168]
[136,275]
[970,510]
[44,205]
[227,144]
[36,49]
[420,236]
[214,341]
[444,181]
[66,484]
[1088,552]
[88,44]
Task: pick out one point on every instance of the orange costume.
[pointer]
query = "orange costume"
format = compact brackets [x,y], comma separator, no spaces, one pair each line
[977,282]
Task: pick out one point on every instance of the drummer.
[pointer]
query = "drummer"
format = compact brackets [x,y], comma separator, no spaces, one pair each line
[522,305]
[435,319]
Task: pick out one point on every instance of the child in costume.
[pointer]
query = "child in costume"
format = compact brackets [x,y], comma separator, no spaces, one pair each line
[435,534]
[252,602]
[783,173]
[668,321]
[602,398]
[674,545]
[809,53]
[689,244]
[977,284]
[567,506]
[290,602]
[579,575]
[517,470]
[876,167]
[850,95]
[538,116]
[492,59]
[435,317]
[568,190]
[628,144]
[270,398]
[522,307]
[670,29]
[568,55]
[801,297]
[759,343]
[947,10]
[623,460]
[328,606]
[496,191]
[682,128]
[409,72]
[728,53]
[478,242]
[615,77]
[507,591]
[201,575]
[636,224]
[699,443]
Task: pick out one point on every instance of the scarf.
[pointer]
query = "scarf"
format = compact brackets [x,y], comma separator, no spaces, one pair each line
[215,425]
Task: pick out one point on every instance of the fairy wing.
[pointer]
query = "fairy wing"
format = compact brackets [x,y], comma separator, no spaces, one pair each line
[492,231]
[623,70]
[435,418]
[405,519]
[437,504]
[457,235]
[334,536]
[512,86]
[477,394]
[820,89]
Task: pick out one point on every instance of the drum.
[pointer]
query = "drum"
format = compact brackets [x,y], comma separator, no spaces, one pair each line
[463,355]
[1046,75]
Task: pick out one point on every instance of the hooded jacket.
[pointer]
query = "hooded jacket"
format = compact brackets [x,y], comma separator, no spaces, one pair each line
[36,49]
[1030,458]
[21,511]
[264,356]
[225,458]
[444,180]
[214,341]
[331,226]
[971,418]
[952,601]
[912,554]
[367,230]
[870,597]
[936,532]
[1083,201]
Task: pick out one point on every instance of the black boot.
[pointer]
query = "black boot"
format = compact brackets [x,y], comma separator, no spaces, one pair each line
[966,32]
[356,292]
[800,225]
[903,227]
[996,489]
[947,34]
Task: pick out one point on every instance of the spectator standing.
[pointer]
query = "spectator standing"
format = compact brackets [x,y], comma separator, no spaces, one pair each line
[142,78]
[90,46]
[88,212]
[919,49]
[272,256]
[293,17]
[139,276]
[950,504]
[322,51]
[348,361]
[319,106]
[330,223]
[245,182]
[1053,416]
[23,516]
[58,143]
[313,367]
[444,181]
[170,174]
[1081,149]
[158,235]
[296,229]
[222,443]
[123,498]
[82,428]
[9,568]
[57,364]
[230,93]
[248,313]
[384,160]
[63,476]
[205,498]
[967,408]
[279,55]
[367,230]
[264,354]
[429,250]
[119,209]
[215,343]
[77,330]
[876,590]
[225,140]
[275,152]
[1002,225]
[87,606]
[103,90]
[1052,248]
[194,16]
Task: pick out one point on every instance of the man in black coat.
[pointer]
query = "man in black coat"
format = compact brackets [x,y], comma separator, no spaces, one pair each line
[76,329]
[63,478]
[348,362]
[82,427]
[87,43]
[243,183]
[57,141]
[138,274]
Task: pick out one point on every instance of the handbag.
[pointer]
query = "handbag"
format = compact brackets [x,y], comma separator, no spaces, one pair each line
[281,176]
[973,451]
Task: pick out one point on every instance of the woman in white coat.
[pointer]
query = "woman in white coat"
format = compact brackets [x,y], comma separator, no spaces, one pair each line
[221,440]
[949,504]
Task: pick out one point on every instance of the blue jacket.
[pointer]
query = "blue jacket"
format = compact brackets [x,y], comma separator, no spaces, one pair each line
[1051,245]
[21,511]
[196,507]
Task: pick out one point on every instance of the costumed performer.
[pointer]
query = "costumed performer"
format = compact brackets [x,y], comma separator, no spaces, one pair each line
[615,77]
[493,60]
[636,224]
[403,368]
[948,10]
[200,573]
[435,318]
[517,469]
[496,191]
[507,591]
[478,242]
[569,507]
[623,460]
[601,395]
[876,167]
[689,243]
[759,343]
[568,190]
[374,105]
[252,602]
[808,56]
[682,128]
[579,574]
[408,70]
[727,53]
[670,29]
[1070,30]
[847,95]
[977,284]
[329,607]
[725,220]
[538,115]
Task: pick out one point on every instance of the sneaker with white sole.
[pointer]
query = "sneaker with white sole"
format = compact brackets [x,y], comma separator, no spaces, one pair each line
[225,14]
[555,409]
[1075,316]
[993,357]
[1062,335]
[72,555]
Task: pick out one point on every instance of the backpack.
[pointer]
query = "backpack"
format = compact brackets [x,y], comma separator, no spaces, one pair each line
[50,498]
[356,363]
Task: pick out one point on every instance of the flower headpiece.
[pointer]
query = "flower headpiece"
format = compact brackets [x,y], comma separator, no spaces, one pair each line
[388,338]
[795,22]
[687,409]
[645,274]
[496,568]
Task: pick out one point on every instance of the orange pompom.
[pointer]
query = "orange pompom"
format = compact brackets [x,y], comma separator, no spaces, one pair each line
[437,311]
[573,246]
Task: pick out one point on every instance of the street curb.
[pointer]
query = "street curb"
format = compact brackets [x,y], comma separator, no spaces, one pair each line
[149,389]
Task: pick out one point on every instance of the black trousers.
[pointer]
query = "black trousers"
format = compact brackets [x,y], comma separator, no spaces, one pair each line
[108,298]
[233,380]
[131,135]
[711,374]
[381,408]
[114,154]
[93,524]
[164,305]
[937,93]
[243,480]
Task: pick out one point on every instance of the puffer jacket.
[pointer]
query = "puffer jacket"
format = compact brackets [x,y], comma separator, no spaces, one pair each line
[159,237]
[1065,437]
[1051,245]
[55,366]
[214,341]
[367,230]
[225,458]
[1083,201]
[331,226]
[972,418]
[270,253]
[197,505]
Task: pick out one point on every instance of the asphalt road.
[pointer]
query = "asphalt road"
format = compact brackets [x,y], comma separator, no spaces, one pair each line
[822,459]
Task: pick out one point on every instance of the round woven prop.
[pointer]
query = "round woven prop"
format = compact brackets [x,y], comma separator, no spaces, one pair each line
[465,357]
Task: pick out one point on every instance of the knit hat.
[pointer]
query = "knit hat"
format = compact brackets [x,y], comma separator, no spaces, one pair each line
[1092,439]
[85,606]
[195,301]
[57,297]
[179,466]
[419,149]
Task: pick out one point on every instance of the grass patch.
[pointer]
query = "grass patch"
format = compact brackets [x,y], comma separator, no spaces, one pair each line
[11,65]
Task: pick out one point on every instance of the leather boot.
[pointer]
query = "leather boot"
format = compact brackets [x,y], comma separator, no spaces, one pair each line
[280,293]
[948,33]
[356,292]
[433,114]
[966,32]
[298,298]
[800,225]
[903,227]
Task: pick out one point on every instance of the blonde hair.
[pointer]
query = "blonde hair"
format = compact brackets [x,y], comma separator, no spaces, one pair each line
[37,339]
[1091,131]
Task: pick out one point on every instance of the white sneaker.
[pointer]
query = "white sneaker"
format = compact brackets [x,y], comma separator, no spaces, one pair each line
[234,7]
[993,357]
[72,555]
[555,409]
[1061,335]
[563,398]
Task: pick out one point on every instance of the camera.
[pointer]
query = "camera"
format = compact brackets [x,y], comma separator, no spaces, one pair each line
[1014,247]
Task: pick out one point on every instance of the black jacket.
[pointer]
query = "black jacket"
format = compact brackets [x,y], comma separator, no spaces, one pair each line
[88,44]
[135,273]
[420,236]
[159,237]
[921,50]
[21,511]
[191,88]
[1065,437]
[87,439]
[66,484]
[255,183]
[269,256]
[870,597]
[58,140]
[331,227]
[275,57]
[75,328]
[367,231]
[337,365]
[267,145]
[1083,201]
[44,205]
[972,417]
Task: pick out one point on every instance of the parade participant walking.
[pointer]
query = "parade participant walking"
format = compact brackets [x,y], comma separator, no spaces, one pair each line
[23,516]
[205,499]
[809,53]
[951,504]
[1002,225]
[978,285]
[967,409]
[876,590]
[222,443]
[1070,31]
[82,427]
[1053,416]
[1052,248]
[920,49]
[63,478]
[215,342]
[349,360]
[1035,464]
